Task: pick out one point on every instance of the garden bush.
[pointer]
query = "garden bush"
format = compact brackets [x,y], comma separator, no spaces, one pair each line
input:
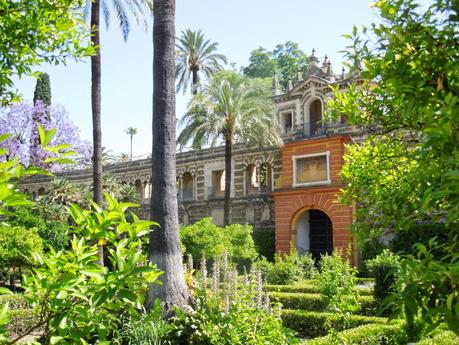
[265,243]
[385,269]
[51,224]
[441,338]
[315,302]
[14,301]
[302,287]
[310,324]
[204,238]
[405,240]
[371,248]
[287,269]
[371,334]
[336,283]
[21,320]
[17,245]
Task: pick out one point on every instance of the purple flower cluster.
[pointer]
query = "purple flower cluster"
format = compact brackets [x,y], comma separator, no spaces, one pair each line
[19,121]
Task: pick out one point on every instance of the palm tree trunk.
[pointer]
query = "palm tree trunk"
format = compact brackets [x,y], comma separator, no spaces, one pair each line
[228,157]
[131,147]
[195,80]
[96,121]
[164,248]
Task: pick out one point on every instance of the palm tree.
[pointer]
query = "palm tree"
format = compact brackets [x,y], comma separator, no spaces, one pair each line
[164,247]
[131,131]
[195,55]
[138,9]
[231,109]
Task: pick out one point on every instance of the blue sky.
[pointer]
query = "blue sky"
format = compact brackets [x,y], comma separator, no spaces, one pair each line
[239,26]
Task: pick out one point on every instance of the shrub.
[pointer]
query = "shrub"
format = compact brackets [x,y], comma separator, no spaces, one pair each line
[336,283]
[385,269]
[405,240]
[17,244]
[304,287]
[310,324]
[315,302]
[265,242]
[441,338]
[242,248]
[14,301]
[204,238]
[371,248]
[21,320]
[371,334]
[52,227]
[147,329]
[287,269]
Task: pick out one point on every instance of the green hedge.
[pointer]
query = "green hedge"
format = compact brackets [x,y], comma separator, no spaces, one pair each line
[21,320]
[371,334]
[309,288]
[310,324]
[265,242]
[442,338]
[359,280]
[314,302]
[15,301]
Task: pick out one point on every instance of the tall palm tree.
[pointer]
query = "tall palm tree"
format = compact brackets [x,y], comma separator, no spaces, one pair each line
[164,248]
[195,55]
[138,9]
[231,109]
[131,131]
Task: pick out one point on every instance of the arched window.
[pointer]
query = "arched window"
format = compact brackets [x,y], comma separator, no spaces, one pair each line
[315,117]
[251,179]
[187,186]
[265,177]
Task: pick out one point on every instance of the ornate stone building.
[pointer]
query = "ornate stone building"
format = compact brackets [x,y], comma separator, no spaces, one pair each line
[292,189]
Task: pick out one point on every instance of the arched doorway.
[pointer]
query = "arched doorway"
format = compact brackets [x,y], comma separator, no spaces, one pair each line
[314,233]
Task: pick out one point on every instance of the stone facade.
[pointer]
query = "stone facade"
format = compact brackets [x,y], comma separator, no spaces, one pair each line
[293,188]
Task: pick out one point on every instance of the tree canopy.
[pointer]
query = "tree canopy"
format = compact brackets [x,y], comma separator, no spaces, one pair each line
[37,31]
[407,170]
[286,59]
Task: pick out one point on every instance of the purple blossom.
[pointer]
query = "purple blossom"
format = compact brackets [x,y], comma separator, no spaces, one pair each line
[19,121]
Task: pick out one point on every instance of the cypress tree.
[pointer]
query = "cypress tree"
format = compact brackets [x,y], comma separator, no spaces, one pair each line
[42,90]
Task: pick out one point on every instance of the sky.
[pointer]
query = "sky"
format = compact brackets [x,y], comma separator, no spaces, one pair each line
[239,26]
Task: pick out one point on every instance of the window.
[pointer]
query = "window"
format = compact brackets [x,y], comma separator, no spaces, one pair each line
[286,121]
[311,169]
[218,183]
[187,186]
[251,179]
[315,117]
[265,177]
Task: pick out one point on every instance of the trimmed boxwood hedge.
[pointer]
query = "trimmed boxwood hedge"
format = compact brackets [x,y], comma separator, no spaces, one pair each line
[21,320]
[310,288]
[314,302]
[442,338]
[15,301]
[371,334]
[311,324]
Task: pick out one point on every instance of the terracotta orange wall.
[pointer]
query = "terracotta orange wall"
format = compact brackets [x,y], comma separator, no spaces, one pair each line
[291,202]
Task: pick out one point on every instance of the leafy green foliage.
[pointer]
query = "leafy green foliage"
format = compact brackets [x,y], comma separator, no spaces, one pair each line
[408,98]
[42,91]
[265,242]
[336,283]
[53,231]
[76,298]
[315,302]
[371,334]
[287,269]
[38,31]
[311,324]
[17,245]
[385,269]
[204,238]
[428,288]
[285,59]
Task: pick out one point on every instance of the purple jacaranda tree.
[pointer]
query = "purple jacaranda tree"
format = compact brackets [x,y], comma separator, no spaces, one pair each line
[17,120]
